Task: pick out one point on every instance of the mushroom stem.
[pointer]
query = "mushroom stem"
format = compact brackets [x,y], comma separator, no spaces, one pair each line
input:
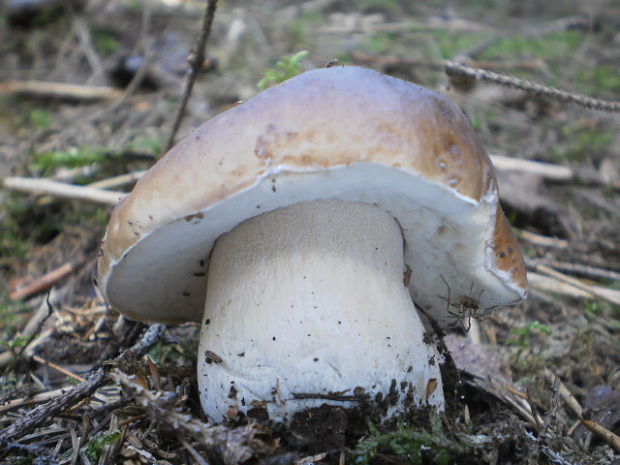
[309,299]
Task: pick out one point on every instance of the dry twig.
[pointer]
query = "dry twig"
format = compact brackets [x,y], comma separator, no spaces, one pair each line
[577,268]
[231,443]
[609,436]
[29,332]
[43,283]
[71,396]
[61,189]
[60,90]
[546,170]
[561,286]
[543,241]
[610,295]
[459,69]
[196,60]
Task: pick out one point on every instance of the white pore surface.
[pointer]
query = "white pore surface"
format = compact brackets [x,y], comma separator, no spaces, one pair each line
[310,299]
[446,236]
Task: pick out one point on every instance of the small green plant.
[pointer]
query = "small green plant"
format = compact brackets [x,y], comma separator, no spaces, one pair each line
[150,145]
[285,69]
[95,445]
[18,342]
[579,143]
[523,339]
[74,157]
[416,445]
[105,41]
[550,47]
[41,119]
[9,319]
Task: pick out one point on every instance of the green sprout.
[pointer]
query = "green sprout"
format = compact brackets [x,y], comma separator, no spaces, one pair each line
[285,69]
[74,157]
[95,445]
[523,339]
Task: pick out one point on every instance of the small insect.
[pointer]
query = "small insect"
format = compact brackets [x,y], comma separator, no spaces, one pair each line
[466,308]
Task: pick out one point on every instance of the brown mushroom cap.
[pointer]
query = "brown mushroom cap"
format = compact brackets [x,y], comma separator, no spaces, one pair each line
[342,132]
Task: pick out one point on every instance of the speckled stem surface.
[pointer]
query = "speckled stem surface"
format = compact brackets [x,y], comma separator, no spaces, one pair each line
[309,300]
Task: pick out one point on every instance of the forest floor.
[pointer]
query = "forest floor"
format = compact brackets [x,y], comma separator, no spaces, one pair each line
[539,382]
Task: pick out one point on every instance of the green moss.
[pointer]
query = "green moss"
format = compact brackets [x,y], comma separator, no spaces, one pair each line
[601,80]
[579,143]
[95,445]
[11,316]
[41,118]
[451,43]
[305,25]
[554,46]
[379,43]
[74,157]
[105,41]
[146,144]
[415,445]
[15,240]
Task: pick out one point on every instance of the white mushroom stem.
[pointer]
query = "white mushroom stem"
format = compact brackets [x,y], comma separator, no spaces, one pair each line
[309,300]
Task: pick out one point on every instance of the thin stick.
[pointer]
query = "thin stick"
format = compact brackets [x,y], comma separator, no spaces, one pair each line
[58,368]
[602,293]
[193,452]
[29,332]
[609,436]
[61,189]
[544,241]
[35,399]
[60,90]
[45,412]
[196,60]
[556,286]
[578,268]
[43,283]
[546,170]
[552,171]
[116,181]
[452,68]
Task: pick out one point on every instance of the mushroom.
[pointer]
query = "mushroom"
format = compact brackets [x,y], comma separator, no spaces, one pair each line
[300,226]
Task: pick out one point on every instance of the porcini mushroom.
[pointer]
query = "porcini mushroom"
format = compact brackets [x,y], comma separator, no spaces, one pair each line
[299,225]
